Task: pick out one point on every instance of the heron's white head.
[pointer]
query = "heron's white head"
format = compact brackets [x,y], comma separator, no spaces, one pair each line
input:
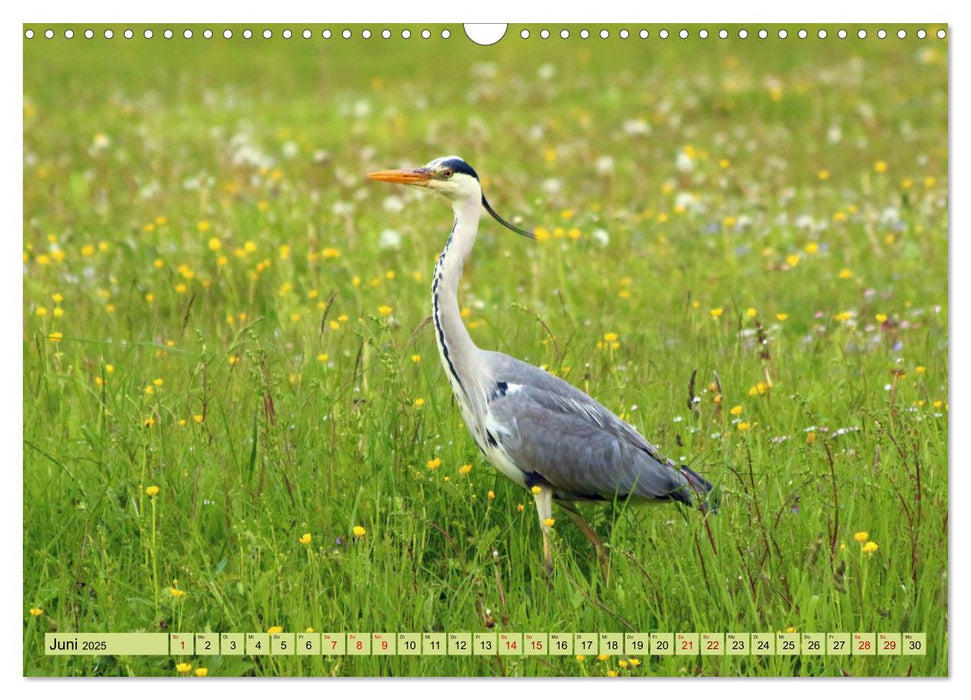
[449,176]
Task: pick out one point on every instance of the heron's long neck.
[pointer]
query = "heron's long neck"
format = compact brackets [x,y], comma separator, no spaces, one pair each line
[454,342]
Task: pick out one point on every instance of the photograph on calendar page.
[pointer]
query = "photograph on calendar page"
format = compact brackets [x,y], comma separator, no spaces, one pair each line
[527,350]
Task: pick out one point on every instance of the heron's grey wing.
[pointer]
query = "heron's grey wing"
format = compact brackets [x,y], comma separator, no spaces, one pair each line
[562,396]
[558,435]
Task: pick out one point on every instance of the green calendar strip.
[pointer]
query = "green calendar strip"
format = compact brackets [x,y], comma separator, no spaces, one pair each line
[487,644]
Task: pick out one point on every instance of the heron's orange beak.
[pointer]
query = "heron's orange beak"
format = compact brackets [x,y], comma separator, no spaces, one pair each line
[418,176]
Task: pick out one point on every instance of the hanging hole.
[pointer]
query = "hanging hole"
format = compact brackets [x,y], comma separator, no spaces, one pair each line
[486,34]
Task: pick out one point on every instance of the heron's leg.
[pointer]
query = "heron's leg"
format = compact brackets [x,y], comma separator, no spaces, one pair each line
[594,539]
[544,509]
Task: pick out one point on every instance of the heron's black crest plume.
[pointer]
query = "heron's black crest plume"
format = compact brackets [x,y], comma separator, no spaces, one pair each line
[505,223]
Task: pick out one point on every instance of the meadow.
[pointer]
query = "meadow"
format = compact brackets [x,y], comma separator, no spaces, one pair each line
[235,418]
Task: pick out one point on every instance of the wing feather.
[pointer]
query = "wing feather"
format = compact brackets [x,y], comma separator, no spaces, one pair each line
[564,437]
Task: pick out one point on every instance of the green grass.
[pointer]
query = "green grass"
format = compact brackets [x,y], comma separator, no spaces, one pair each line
[281,412]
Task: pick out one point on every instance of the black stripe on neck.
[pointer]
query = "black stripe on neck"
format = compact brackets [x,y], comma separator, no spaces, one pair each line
[436,313]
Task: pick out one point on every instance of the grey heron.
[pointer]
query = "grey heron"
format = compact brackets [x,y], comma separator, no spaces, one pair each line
[540,431]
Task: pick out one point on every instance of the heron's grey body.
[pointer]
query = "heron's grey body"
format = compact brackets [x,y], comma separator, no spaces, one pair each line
[535,428]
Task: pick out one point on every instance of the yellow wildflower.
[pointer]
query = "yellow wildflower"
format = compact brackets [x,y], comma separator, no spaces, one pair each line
[880,166]
[465,469]
[735,410]
[861,537]
[434,463]
[385,310]
[549,522]
[305,538]
[151,491]
[202,672]
[359,531]
[183,667]
[870,548]
[275,629]
[715,313]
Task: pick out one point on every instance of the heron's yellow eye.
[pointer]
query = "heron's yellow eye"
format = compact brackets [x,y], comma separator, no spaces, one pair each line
[447,174]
